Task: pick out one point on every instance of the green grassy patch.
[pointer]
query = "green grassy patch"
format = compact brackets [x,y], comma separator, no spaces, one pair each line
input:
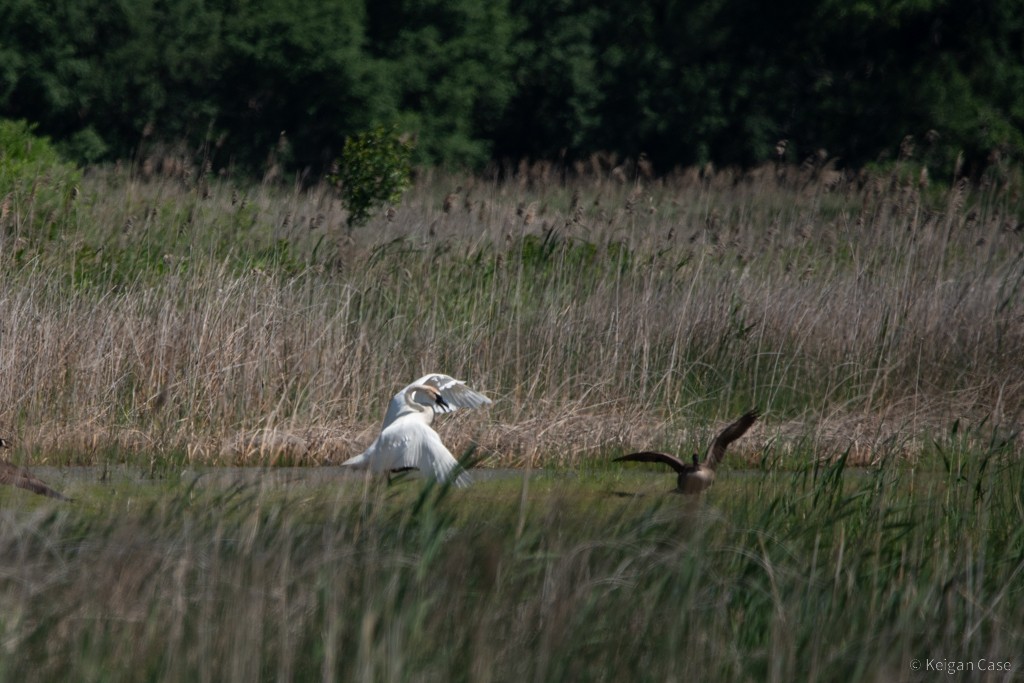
[593,575]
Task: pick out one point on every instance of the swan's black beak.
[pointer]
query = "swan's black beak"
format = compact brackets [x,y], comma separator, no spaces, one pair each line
[443,403]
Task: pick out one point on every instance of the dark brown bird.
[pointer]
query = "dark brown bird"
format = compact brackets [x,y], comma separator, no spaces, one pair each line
[12,475]
[695,477]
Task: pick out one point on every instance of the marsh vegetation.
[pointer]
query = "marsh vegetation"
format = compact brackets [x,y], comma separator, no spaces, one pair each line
[178,317]
[160,318]
[817,574]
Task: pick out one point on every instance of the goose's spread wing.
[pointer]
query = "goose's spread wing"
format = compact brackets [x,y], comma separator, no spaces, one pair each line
[730,434]
[654,456]
[410,442]
[22,478]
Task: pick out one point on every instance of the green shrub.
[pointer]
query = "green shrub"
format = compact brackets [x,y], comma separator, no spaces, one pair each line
[375,168]
[35,181]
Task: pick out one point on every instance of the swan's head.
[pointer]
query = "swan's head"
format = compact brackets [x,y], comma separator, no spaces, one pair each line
[429,396]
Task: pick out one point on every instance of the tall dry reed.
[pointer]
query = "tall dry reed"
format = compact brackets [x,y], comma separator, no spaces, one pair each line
[245,324]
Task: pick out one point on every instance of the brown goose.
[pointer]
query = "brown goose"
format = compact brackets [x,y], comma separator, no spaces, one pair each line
[695,477]
[12,475]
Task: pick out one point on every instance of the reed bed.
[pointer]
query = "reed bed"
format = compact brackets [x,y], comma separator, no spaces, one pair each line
[178,317]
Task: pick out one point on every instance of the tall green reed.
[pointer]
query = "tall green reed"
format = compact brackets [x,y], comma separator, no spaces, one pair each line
[829,572]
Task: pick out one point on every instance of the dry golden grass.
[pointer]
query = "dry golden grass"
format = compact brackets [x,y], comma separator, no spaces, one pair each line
[180,315]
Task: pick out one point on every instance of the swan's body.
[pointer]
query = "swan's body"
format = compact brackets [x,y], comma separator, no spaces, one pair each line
[696,476]
[407,441]
[12,475]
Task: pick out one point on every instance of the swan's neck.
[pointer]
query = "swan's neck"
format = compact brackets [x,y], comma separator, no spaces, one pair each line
[421,400]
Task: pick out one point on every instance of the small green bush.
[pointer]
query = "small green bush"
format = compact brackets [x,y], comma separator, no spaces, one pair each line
[375,168]
[35,181]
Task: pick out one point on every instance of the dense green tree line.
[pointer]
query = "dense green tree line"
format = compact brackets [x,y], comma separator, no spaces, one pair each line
[684,82]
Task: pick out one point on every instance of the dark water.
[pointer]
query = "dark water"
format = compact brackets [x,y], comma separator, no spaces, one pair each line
[121,476]
[226,476]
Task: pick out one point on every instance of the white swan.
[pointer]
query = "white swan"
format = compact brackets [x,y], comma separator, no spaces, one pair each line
[406,440]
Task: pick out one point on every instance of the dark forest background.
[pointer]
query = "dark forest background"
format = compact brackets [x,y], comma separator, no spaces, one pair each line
[493,82]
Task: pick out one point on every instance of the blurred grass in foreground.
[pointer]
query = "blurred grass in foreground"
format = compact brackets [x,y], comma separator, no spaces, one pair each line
[823,573]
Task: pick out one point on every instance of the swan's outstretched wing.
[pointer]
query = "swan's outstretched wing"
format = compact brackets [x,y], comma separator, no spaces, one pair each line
[728,435]
[654,456]
[435,460]
[454,392]
[23,479]
[363,460]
